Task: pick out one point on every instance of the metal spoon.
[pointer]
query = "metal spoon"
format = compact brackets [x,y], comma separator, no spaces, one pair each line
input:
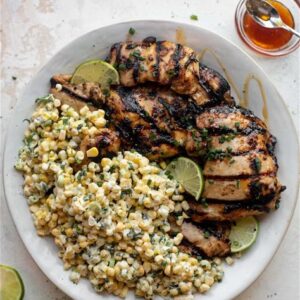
[267,16]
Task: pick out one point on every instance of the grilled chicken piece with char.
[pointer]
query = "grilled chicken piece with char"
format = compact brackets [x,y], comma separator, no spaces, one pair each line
[167,63]
[228,211]
[244,189]
[208,239]
[211,239]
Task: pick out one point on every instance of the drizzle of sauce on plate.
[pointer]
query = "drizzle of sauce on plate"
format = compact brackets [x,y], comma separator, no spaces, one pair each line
[180,36]
[222,66]
[243,100]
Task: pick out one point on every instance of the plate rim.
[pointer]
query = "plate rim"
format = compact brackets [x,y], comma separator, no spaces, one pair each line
[53,279]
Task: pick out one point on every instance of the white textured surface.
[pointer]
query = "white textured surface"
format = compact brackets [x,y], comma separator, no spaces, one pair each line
[34,30]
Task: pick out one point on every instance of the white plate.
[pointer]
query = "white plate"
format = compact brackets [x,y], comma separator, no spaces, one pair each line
[239,64]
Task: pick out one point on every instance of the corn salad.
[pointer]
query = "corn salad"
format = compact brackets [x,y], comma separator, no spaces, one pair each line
[108,219]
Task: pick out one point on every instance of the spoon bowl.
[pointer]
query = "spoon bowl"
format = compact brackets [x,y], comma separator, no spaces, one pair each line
[293,44]
[267,16]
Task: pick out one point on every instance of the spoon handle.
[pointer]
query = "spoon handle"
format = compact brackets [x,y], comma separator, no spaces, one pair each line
[288,28]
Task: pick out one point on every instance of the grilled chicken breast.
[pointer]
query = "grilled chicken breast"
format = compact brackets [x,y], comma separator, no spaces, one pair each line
[167,63]
[168,104]
[225,211]
[206,239]
[210,239]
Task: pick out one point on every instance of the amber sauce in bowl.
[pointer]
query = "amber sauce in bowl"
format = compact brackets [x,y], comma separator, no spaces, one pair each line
[268,38]
[269,41]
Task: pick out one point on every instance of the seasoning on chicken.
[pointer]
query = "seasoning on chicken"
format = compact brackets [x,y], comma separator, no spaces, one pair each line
[208,239]
[168,63]
[211,239]
[201,212]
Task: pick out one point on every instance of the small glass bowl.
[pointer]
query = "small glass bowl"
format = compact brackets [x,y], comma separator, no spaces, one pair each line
[291,46]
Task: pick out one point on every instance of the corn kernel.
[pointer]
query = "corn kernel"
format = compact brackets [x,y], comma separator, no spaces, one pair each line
[229,260]
[92,152]
[204,288]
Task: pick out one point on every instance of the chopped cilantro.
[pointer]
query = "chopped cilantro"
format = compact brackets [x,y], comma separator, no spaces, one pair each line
[231,161]
[194,17]
[79,126]
[122,67]
[137,54]
[87,197]
[152,136]
[199,257]
[142,68]
[168,174]
[155,73]
[65,121]
[126,192]
[203,202]
[106,92]
[171,73]
[45,99]
[112,168]
[204,133]
[214,154]
[206,234]
[164,263]
[256,164]
[131,167]
[131,31]
[237,124]
[176,143]
[226,138]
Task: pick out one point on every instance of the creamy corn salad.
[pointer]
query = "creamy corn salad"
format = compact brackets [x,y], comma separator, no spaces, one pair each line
[108,219]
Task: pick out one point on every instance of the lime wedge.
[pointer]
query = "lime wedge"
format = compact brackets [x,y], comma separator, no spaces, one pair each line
[97,71]
[11,284]
[188,174]
[243,234]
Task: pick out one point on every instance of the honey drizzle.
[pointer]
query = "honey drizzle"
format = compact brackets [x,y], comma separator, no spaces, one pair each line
[245,101]
[180,36]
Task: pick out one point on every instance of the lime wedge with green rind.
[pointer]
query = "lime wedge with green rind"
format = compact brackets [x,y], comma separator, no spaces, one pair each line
[188,174]
[243,234]
[97,71]
[11,284]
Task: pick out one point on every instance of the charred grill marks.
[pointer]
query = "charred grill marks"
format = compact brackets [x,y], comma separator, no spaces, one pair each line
[176,58]
[206,75]
[131,104]
[156,73]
